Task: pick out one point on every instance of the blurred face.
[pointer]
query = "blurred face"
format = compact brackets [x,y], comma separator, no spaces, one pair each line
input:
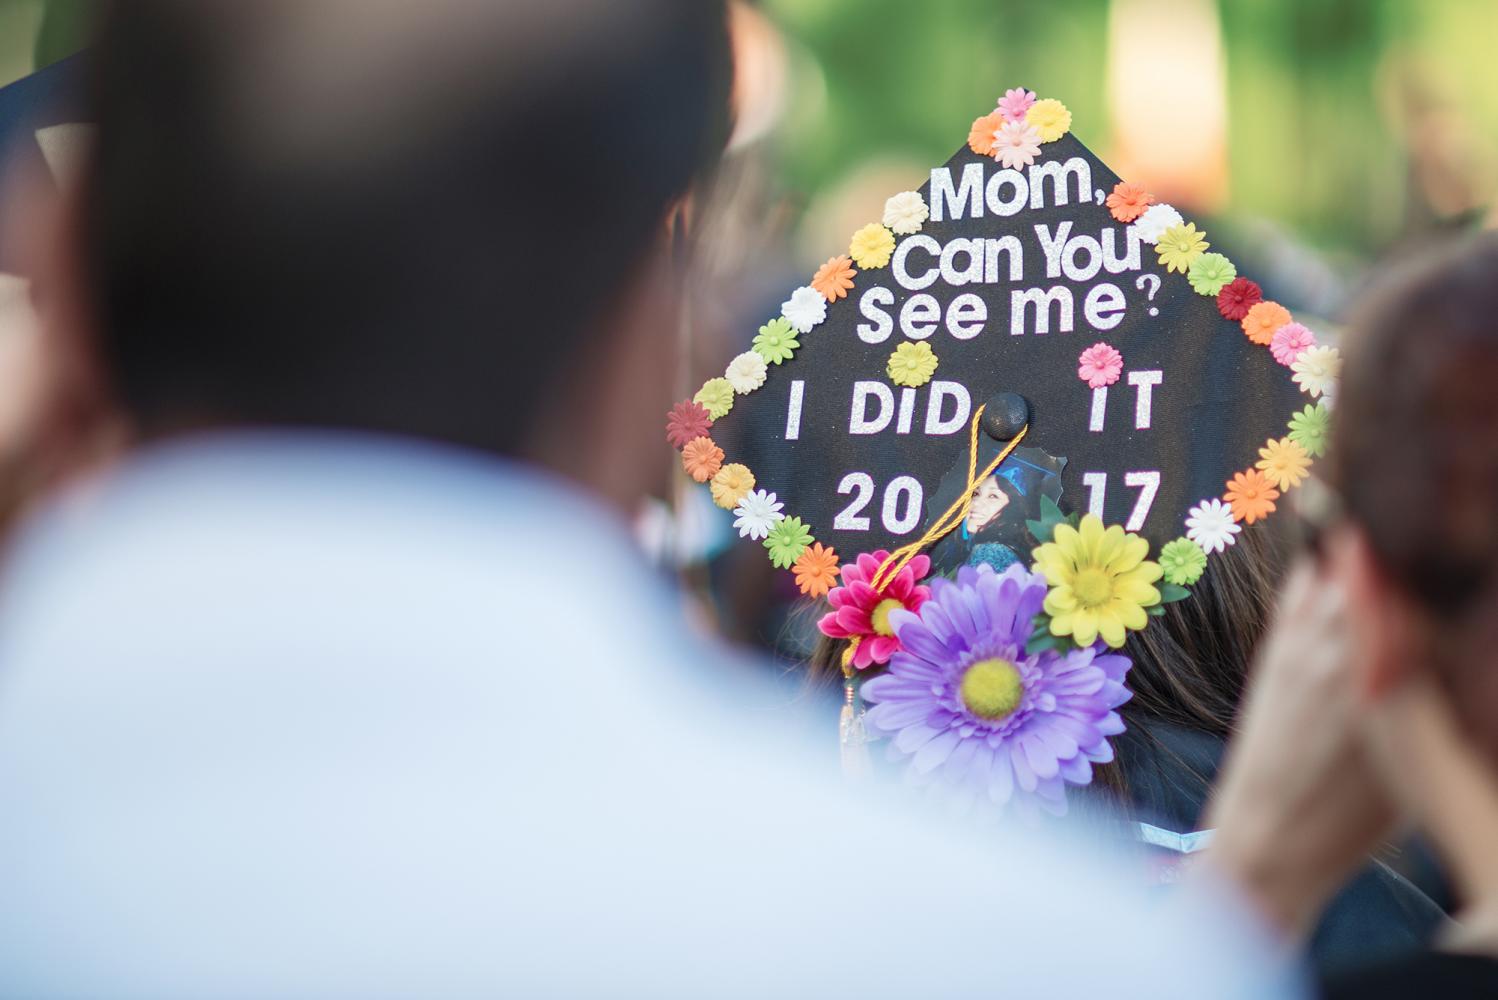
[988,501]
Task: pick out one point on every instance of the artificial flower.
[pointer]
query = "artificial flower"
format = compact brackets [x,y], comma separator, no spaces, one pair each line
[871,246]
[1179,246]
[786,541]
[1099,365]
[776,341]
[1050,118]
[1210,273]
[1128,201]
[912,363]
[1212,525]
[687,420]
[1317,370]
[1016,145]
[746,372]
[701,459]
[1100,580]
[1015,102]
[860,612]
[967,704]
[1310,428]
[1237,298]
[730,484]
[716,395]
[834,279]
[1262,319]
[815,570]
[980,136]
[1183,562]
[1251,495]
[756,514]
[1284,463]
[804,309]
[1156,219]
[1289,341]
[904,212]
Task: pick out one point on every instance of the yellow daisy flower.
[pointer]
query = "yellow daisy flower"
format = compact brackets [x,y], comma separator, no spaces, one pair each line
[872,246]
[730,484]
[716,396]
[1100,581]
[1284,462]
[1050,118]
[913,363]
[1180,245]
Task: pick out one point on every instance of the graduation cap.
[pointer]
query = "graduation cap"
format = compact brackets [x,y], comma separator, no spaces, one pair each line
[1027,316]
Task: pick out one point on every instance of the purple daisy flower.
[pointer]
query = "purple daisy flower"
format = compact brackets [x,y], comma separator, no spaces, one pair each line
[966,703]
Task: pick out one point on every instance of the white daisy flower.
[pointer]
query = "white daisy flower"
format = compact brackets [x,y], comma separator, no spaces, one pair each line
[1210,524]
[1155,220]
[746,372]
[804,309]
[905,212]
[756,514]
[1317,370]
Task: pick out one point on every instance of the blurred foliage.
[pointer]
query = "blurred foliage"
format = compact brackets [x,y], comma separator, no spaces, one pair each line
[1351,123]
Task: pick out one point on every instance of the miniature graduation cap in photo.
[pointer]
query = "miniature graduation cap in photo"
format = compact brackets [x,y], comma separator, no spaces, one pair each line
[1014,419]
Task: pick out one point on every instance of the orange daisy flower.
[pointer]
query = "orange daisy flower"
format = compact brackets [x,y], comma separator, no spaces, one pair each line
[980,138]
[1263,319]
[835,278]
[816,570]
[1251,496]
[1128,201]
[702,459]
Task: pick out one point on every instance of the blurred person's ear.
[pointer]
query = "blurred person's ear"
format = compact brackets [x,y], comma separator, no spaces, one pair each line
[1385,627]
[70,424]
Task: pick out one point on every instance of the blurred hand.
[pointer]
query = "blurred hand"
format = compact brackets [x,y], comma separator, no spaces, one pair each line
[1298,806]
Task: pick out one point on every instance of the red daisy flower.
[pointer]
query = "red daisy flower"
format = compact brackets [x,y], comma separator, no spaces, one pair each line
[1237,298]
[686,422]
[861,611]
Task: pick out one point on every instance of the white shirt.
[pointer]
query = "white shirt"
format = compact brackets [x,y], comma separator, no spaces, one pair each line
[335,716]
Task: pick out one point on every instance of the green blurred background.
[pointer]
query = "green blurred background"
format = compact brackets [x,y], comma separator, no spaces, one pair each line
[1347,124]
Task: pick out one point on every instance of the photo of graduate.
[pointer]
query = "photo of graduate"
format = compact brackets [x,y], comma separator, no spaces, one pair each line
[994,530]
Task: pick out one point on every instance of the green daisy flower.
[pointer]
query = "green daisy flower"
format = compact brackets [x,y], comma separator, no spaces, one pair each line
[716,396]
[786,541]
[776,341]
[1210,272]
[1310,429]
[1183,562]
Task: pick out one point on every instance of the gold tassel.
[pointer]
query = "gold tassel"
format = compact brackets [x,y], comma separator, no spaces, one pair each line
[853,740]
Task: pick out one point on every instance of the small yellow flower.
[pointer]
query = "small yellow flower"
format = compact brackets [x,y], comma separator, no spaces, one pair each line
[913,363]
[1050,118]
[872,246]
[1180,245]
[716,396]
[1100,581]
[1284,462]
[730,484]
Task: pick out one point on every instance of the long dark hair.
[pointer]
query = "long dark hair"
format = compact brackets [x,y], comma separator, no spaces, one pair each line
[1190,664]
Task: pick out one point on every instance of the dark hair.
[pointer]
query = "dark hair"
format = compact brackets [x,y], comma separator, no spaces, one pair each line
[1190,664]
[426,270]
[1415,439]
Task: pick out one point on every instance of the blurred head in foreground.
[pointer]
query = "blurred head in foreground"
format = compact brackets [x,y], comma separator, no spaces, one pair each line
[1415,458]
[445,220]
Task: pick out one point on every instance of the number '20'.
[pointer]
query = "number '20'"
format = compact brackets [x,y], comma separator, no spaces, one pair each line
[901,510]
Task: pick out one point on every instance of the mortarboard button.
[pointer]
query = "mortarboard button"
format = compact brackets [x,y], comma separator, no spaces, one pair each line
[1005,415]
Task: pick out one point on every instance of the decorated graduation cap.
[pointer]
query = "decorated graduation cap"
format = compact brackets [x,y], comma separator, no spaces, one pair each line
[1014,419]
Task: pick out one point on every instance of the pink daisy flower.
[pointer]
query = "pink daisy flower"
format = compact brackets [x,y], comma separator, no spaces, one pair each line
[1099,365]
[1016,144]
[1015,102]
[859,611]
[1289,341]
